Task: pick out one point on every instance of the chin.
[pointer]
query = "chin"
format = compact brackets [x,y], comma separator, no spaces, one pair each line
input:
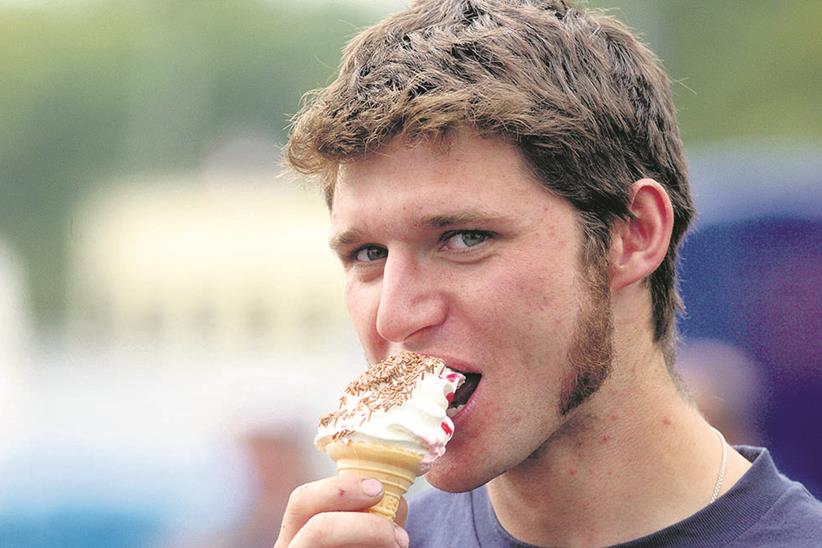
[454,478]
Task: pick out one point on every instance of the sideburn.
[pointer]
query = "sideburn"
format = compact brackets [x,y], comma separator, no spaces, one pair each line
[590,355]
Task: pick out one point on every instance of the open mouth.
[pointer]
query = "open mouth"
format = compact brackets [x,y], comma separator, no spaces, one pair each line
[463,393]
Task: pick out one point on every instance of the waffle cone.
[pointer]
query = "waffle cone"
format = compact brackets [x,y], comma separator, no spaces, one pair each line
[395,468]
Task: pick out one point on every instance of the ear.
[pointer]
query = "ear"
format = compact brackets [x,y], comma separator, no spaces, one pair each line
[639,243]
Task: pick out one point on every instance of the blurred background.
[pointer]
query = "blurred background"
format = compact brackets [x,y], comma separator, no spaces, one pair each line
[171,322]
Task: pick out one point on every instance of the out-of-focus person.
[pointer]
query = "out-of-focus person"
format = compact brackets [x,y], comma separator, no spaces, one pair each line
[725,385]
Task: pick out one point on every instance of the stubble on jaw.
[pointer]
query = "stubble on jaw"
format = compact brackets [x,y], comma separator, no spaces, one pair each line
[590,355]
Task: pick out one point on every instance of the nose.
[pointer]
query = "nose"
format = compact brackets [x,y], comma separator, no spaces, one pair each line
[410,300]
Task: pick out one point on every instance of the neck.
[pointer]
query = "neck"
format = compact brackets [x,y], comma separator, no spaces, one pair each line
[633,459]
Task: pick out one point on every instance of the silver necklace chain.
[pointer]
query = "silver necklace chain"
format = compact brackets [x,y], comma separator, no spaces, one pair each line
[721,479]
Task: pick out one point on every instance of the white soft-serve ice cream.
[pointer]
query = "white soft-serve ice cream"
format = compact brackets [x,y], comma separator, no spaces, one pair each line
[401,402]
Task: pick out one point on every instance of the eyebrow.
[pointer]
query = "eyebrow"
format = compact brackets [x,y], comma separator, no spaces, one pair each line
[477,218]
[469,217]
[343,239]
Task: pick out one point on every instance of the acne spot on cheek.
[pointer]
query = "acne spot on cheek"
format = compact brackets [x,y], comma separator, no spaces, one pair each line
[666,421]
[604,439]
[572,471]
[341,492]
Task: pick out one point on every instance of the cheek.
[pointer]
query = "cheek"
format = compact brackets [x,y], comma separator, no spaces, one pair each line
[534,308]
[362,301]
[520,292]
[362,307]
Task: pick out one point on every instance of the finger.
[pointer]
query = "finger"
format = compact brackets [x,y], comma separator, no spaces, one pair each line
[333,494]
[349,529]
[402,512]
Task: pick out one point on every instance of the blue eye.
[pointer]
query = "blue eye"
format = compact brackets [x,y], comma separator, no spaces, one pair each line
[464,239]
[370,253]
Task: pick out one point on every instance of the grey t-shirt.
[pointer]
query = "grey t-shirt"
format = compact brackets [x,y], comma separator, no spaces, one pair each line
[764,508]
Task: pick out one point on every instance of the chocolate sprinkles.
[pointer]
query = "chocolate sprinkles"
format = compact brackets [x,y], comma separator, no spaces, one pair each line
[381,387]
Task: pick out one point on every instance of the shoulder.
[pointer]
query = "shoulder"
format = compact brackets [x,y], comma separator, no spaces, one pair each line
[763,509]
[438,518]
[793,519]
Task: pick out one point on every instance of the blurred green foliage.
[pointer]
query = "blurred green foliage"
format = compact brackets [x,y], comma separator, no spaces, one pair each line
[96,90]
[744,69]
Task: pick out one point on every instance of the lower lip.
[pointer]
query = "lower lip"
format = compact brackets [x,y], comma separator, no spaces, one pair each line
[469,407]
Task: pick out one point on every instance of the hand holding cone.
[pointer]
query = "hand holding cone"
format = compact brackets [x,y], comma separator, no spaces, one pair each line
[394,468]
[391,423]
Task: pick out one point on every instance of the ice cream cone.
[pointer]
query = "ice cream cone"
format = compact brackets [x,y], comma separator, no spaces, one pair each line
[395,468]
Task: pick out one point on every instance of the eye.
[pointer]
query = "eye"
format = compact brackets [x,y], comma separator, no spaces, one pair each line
[370,253]
[463,239]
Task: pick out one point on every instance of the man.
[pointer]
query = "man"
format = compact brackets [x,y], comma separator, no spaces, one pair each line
[507,191]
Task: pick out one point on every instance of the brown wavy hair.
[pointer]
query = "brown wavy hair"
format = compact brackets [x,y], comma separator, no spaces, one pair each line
[587,104]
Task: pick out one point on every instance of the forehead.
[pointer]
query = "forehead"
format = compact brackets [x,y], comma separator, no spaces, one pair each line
[466,167]
[410,190]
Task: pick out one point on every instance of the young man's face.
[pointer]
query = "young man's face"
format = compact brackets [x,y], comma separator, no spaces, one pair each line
[457,252]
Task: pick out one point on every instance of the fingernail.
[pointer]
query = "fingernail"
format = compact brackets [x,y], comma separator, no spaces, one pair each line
[401,536]
[371,487]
